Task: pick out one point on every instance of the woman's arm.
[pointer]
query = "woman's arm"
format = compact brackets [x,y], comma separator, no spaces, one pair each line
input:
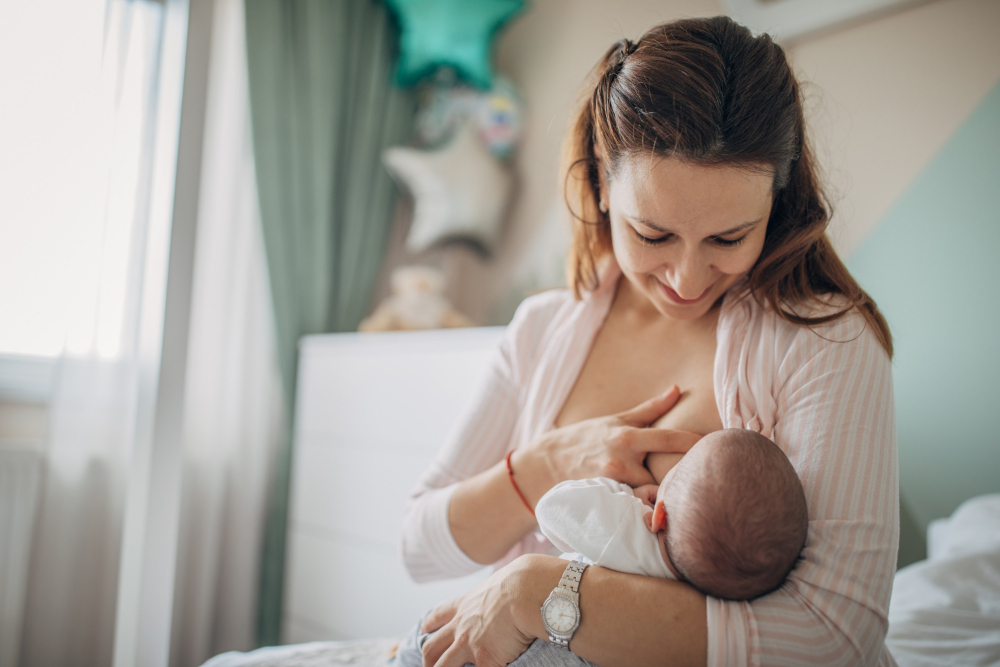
[465,513]
[834,418]
[626,620]
[487,517]
[470,457]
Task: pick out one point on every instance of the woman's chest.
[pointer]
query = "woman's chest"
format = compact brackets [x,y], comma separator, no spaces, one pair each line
[628,365]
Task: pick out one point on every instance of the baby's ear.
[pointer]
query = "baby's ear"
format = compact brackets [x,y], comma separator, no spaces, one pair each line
[659,518]
[648,517]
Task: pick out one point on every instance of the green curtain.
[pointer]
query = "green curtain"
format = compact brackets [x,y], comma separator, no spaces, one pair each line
[323,108]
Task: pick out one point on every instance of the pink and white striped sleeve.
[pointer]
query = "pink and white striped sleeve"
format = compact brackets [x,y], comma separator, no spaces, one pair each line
[836,421]
[483,436]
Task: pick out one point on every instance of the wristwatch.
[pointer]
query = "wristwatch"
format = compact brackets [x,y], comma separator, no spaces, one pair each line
[561,611]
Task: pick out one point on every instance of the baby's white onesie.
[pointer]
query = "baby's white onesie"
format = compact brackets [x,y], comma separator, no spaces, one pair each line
[603,521]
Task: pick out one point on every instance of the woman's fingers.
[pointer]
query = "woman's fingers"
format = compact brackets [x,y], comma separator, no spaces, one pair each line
[456,656]
[441,614]
[437,644]
[649,411]
[635,475]
[664,440]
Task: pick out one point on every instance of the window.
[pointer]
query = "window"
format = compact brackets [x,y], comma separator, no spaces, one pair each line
[75,131]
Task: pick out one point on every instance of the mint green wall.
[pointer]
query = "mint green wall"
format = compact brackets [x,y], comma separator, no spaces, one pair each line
[933,267]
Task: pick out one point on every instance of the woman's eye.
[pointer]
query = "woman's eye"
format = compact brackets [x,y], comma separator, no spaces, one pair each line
[726,243]
[650,241]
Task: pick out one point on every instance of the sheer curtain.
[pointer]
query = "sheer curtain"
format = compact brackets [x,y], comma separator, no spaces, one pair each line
[70,612]
[232,400]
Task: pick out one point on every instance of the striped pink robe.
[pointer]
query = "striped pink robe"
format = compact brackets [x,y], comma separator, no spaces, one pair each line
[824,396]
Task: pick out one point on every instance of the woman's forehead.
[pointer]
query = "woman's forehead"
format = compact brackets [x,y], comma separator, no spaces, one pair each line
[678,196]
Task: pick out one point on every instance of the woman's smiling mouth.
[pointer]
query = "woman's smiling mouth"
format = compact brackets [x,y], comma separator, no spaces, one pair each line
[676,298]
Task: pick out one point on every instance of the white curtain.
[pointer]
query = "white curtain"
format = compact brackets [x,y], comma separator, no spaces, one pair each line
[233,410]
[72,583]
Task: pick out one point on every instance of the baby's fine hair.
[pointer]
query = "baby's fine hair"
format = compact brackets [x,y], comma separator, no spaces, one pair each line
[745,522]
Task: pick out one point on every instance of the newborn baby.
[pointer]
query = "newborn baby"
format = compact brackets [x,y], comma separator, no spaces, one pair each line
[730,518]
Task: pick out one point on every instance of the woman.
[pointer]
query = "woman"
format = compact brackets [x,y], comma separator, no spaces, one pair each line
[699,260]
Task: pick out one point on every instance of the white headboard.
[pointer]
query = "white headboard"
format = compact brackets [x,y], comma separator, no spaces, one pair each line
[372,411]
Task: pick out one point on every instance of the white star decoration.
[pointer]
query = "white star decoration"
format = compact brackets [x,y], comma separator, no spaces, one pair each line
[459,191]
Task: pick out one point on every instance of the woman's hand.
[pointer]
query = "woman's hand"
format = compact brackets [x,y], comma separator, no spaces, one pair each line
[615,446]
[478,627]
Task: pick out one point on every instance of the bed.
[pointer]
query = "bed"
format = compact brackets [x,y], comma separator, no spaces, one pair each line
[945,610]
[343,538]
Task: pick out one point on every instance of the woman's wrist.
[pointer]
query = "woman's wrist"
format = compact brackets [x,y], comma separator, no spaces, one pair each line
[532,473]
[534,576]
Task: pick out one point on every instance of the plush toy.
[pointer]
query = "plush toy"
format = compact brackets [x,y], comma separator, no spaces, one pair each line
[417,302]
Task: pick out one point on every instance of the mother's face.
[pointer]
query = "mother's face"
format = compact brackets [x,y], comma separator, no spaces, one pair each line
[683,234]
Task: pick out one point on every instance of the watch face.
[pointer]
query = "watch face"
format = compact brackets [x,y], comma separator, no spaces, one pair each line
[560,614]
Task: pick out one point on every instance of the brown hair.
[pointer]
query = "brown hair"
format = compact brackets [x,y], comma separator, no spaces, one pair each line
[708,92]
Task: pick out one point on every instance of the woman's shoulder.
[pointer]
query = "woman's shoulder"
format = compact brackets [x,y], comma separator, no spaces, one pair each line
[543,305]
[537,313]
[846,332]
[525,335]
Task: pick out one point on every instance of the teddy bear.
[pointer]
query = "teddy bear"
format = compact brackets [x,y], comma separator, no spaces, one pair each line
[417,302]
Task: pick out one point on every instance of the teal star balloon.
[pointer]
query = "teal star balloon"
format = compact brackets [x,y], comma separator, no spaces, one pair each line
[455,33]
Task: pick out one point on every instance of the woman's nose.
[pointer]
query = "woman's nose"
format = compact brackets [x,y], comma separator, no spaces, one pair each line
[687,276]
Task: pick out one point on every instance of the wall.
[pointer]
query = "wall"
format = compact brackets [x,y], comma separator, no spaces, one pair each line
[933,265]
[885,95]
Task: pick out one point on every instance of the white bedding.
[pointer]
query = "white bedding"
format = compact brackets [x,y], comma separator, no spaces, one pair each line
[946,610]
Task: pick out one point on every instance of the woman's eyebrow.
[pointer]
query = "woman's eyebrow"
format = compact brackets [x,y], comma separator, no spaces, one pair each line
[653,225]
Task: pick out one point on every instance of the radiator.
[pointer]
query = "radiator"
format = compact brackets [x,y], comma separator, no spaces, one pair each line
[20,477]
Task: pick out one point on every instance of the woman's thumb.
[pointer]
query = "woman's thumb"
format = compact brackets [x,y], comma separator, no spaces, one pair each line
[649,411]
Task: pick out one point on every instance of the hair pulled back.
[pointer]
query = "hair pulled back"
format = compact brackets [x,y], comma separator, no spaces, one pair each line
[708,92]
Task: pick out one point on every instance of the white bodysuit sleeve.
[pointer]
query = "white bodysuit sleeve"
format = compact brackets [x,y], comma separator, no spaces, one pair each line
[602,520]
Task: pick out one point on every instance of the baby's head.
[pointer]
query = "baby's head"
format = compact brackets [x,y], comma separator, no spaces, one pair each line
[733,515]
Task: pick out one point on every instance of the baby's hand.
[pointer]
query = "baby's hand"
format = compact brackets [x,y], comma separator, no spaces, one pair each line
[647,494]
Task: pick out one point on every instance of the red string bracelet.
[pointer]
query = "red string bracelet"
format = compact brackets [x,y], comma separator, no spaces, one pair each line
[510,473]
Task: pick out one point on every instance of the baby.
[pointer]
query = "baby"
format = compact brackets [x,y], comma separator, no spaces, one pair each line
[730,518]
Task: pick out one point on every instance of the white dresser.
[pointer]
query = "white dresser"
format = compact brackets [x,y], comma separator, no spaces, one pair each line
[372,411]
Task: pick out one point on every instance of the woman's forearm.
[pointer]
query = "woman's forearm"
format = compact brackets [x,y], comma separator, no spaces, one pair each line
[626,619]
[487,517]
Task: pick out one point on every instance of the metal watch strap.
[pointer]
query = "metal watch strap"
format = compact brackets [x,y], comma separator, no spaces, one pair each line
[571,577]
[570,583]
